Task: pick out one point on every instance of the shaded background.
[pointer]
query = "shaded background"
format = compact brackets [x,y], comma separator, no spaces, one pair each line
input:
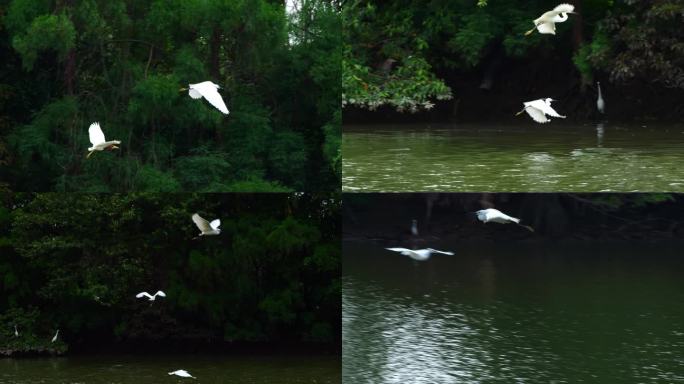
[75,262]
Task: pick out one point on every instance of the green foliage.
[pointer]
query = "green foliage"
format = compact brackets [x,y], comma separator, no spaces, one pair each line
[124,63]
[76,261]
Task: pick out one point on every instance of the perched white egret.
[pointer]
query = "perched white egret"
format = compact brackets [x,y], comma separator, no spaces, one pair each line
[207,228]
[546,23]
[414,227]
[16,332]
[150,297]
[182,373]
[418,254]
[496,216]
[97,139]
[54,338]
[209,91]
[538,109]
[600,104]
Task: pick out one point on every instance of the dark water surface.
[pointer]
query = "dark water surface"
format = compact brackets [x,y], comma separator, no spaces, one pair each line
[521,313]
[154,369]
[552,157]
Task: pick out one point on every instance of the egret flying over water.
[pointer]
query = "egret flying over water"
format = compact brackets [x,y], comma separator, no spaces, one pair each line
[600,104]
[150,297]
[206,228]
[418,254]
[496,216]
[16,333]
[546,23]
[182,373]
[209,91]
[538,109]
[54,338]
[97,139]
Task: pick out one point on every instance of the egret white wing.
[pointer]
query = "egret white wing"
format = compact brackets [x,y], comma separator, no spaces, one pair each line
[536,114]
[194,94]
[399,249]
[143,294]
[214,98]
[160,293]
[202,224]
[96,134]
[546,108]
[215,224]
[564,8]
[547,28]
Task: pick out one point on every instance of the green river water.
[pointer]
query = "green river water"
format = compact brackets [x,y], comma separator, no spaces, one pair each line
[515,313]
[554,157]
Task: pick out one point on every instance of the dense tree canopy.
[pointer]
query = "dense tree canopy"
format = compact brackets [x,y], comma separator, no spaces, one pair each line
[68,63]
[75,262]
[409,54]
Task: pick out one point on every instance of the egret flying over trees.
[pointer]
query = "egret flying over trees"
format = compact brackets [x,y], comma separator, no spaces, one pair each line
[150,297]
[546,23]
[182,373]
[496,216]
[538,109]
[418,254]
[209,91]
[600,104]
[97,139]
[206,228]
[54,338]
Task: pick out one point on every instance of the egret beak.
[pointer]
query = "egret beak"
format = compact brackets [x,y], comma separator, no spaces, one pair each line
[182,90]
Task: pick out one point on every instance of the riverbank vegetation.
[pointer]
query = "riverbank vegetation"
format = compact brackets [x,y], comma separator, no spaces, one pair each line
[462,57]
[75,262]
[122,63]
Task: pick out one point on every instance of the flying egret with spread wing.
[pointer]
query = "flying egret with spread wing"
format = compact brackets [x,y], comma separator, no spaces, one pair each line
[97,139]
[546,23]
[418,254]
[150,297]
[206,228]
[182,373]
[496,216]
[538,109]
[209,91]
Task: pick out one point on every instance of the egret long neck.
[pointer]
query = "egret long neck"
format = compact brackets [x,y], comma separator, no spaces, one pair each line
[599,89]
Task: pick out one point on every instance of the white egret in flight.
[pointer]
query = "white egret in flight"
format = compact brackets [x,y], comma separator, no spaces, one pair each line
[496,216]
[16,333]
[209,91]
[206,228]
[97,139]
[546,23]
[150,297]
[538,109]
[182,373]
[418,254]
[54,338]
[600,104]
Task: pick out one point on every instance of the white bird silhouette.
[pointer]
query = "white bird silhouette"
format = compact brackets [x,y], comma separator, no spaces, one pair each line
[209,91]
[150,297]
[54,338]
[418,254]
[414,227]
[206,228]
[182,373]
[546,23]
[16,333]
[97,139]
[496,216]
[538,109]
[600,104]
